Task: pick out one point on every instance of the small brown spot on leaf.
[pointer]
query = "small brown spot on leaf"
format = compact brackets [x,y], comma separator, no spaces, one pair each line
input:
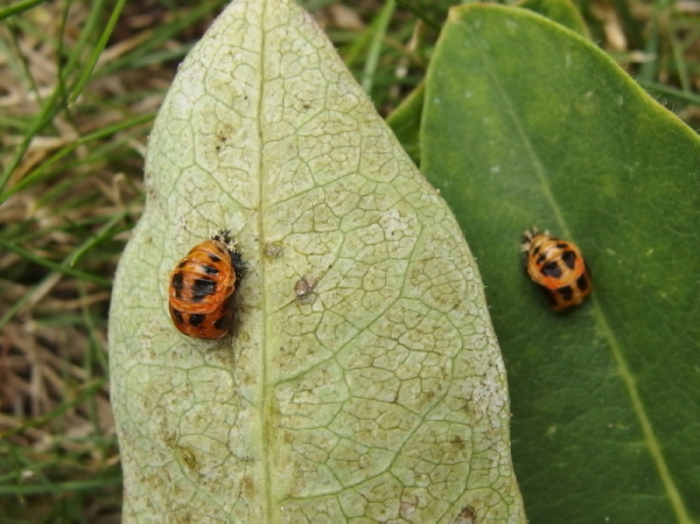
[304,288]
[273,250]
[466,516]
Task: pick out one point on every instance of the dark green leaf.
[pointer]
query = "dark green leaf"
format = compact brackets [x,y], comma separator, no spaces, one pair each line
[527,123]
[561,11]
[405,120]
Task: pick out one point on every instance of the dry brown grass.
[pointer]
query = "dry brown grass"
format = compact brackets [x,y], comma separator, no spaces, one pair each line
[69,202]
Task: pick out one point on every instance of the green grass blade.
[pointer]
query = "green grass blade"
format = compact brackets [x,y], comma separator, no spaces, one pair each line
[18,8]
[97,51]
[59,268]
[380,26]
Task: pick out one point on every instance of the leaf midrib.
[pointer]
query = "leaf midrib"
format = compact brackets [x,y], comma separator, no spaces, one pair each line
[264,395]
[650,439]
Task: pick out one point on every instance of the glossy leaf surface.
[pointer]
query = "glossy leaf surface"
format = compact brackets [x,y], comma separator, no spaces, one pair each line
[526,123]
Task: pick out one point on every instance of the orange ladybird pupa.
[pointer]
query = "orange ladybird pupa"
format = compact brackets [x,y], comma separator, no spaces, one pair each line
[558,267]
[202,287]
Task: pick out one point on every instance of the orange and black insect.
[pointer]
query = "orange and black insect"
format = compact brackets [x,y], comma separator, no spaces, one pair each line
[558,266]
[202,287]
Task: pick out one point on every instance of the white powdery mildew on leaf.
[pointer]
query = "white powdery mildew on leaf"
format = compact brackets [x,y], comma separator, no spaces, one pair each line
[377,391]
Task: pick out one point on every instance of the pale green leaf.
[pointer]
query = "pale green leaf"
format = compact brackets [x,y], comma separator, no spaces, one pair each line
[377,395]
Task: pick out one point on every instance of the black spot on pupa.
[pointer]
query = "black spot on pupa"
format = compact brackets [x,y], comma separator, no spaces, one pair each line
[202,288]
[210,270]
[551,269]
[177,283]
[582,282]
[569,258]
[182,264]
[177,315]
[214,258]
[566,292]
[196,319]
[221,322]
